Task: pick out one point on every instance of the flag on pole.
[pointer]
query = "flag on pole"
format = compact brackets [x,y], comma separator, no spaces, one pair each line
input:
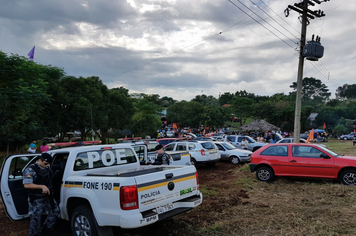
[311,136]
[31,54]
[324,126]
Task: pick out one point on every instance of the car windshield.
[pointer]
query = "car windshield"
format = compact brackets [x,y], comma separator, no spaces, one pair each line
[334,154]
[208,145]
[228,146]
[250,140]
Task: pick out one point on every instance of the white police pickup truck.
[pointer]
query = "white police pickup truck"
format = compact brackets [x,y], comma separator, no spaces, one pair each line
[98,187]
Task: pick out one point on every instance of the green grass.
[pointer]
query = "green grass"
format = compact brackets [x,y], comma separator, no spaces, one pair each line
[342,147]
[209,192]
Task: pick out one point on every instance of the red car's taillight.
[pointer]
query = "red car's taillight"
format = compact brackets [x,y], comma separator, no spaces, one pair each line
[128,197]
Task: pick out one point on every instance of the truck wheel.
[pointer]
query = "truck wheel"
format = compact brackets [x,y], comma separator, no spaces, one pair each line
[348,177]
[82,222]
[264,173]
[234,160]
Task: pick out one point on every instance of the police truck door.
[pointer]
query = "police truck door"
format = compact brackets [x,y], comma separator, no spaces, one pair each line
[13,193]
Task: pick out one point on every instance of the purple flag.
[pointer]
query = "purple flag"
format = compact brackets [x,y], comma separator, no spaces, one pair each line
[31,54]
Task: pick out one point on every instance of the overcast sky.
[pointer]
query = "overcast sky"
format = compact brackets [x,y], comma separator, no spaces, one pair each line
[182,48]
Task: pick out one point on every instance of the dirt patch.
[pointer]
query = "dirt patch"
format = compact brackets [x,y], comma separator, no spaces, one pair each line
[236,203]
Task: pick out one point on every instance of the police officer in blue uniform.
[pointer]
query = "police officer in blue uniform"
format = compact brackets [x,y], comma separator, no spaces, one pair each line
[162,158]
[37,180]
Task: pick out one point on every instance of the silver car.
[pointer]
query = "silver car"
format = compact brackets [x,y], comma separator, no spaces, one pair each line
[347,136]
[233,154]
[290,140]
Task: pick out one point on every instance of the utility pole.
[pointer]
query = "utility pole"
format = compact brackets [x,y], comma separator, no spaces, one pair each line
[302,8]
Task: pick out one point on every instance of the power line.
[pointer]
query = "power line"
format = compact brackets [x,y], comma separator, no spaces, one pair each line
[326,74]
[260,23]
[190,45]
[280,17]
[274,20]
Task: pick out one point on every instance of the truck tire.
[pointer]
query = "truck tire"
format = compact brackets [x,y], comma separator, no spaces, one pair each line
[194,163]
[82,222]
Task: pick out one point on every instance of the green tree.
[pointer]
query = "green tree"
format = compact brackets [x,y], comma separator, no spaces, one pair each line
[313,91]
[120,110]
[241,106]
[329,115]
[83,105]
[24,100]
[167,101]
[340,129]
[213,116]
[206,100]
[185,113]
[145,120]
[226,98]
[347,91]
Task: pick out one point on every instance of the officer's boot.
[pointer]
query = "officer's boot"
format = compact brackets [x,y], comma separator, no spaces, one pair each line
[48,232]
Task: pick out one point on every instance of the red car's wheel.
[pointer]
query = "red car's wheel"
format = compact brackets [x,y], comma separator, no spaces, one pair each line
[264,173]
[348,177]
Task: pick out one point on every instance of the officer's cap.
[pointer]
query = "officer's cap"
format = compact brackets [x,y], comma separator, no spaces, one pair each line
[159,146]
[46,157]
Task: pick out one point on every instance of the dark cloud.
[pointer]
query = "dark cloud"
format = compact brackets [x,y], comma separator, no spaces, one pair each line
[158,46]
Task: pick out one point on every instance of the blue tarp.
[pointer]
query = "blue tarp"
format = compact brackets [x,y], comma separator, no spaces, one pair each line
[318,131]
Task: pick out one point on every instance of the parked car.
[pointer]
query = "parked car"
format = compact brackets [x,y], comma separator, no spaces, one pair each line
[204,138]
[302,160]
[291,140]
[349,136]
[202,152]
[233,154]
[220,138]
[237,139]
[165,141]
[67,137]
[170,134]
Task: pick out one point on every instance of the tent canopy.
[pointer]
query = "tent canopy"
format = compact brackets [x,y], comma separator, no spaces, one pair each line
[259,125]
[318,131]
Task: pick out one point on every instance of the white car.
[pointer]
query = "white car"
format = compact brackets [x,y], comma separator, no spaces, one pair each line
[290,140]
[202,152]
[170,134]
[233,154]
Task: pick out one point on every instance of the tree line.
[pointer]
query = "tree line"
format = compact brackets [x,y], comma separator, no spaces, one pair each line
[42,101]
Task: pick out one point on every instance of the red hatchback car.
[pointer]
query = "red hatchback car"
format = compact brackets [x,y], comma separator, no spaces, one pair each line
[302,160]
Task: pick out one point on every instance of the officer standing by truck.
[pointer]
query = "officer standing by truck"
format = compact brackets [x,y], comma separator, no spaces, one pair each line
[162,158]
[37,180]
